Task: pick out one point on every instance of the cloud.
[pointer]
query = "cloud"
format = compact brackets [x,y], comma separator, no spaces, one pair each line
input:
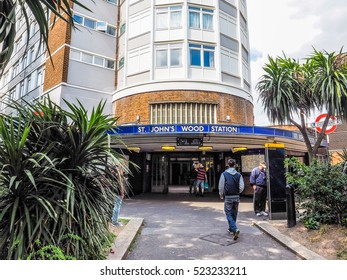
[292,27]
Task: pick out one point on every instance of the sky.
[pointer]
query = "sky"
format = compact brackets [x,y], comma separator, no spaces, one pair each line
[292,27]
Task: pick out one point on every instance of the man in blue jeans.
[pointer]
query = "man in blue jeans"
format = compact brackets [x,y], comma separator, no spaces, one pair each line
[231,184]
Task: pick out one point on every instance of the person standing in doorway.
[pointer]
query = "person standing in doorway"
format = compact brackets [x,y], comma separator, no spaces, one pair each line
[201,178]
[192,177]
[258,182]
[230,186]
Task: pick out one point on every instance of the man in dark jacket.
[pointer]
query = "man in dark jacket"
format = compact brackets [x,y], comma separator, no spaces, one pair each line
[230,186]
[258,182]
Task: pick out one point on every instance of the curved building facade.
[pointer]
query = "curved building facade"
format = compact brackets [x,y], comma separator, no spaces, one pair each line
[183,62]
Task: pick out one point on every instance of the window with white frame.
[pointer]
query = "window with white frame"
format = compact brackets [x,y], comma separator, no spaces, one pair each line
[91,59]
[201,55]
[94,24]
[183,113]
[168,55]
[169,17]
[12,94]
[121,63]
[200,18]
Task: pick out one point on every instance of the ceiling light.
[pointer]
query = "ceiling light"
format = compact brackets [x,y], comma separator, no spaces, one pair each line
[274,145]
[238,149]
[168,148]
[205,148]
[134,149]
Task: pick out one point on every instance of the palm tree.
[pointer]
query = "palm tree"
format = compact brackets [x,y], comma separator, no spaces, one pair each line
[59,8]
[289,89]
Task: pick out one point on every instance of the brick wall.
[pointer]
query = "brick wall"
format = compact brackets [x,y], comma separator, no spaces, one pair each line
[239,109]
[57,72]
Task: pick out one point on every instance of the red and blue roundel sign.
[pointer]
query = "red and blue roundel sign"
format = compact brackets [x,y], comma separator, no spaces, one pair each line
[332,123]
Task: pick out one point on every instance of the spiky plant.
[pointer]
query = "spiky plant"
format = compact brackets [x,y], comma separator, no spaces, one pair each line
[58,179]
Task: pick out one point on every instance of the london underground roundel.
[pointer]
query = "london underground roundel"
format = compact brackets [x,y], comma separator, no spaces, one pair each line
[330,128]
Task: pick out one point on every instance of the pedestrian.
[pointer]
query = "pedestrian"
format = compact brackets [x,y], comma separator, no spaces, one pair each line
[231,184]
[119,198]
[192,177]
[201,178]
[258,182]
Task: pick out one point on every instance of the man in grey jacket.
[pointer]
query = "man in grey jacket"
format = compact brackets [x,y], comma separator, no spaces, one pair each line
[231,184]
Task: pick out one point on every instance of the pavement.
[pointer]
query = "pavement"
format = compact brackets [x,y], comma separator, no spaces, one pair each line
[183,227]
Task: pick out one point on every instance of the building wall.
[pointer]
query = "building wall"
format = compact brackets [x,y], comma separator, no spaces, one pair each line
[239,110]
[144,76]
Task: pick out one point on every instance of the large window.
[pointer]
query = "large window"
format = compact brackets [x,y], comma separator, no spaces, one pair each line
[91,59]
[96,25]
[168,55]
[183,113]
[169,17]
[200,18]
[201,55]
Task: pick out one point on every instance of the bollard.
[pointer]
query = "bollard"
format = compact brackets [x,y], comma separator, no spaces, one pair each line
[290,205]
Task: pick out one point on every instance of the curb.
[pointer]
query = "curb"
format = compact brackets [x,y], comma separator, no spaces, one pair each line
[286,241]
[125,238]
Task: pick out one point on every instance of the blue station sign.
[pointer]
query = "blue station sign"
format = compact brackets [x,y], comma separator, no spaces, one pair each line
[179,129]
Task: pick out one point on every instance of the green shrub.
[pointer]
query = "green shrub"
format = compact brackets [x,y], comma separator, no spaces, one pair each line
[322,191]
[58,180]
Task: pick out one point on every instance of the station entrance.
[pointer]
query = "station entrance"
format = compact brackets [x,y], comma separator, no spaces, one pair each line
[170,172]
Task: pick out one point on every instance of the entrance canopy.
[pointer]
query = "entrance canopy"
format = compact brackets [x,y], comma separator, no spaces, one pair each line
[193,137]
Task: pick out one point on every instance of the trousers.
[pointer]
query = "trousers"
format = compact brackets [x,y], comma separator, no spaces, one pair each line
[259,199]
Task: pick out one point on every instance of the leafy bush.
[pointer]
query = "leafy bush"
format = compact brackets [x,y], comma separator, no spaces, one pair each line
[321,193]
[58,180]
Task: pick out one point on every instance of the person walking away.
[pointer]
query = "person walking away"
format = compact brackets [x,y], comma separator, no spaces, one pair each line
[119,199]
[192,177]
[258,182]
[230,186]
[201,178]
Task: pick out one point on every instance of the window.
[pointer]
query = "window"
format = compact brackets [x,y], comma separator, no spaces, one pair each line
[89,23]
[87,58]
[98,61]
[28,87]
[122,29]
[21,89]
[169,17]
[75,55]
[161,58]
[201,53]
[168,55]
[175,57]
[111,30]
[12,94]
[121,63]
[183,113]
[199,17]
[78,19]
[109,64]
[96,25]
[91,59]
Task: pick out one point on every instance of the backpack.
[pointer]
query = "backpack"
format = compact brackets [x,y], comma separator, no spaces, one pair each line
[232,183]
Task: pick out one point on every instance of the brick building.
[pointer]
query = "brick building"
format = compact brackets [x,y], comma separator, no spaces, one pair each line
[176,74]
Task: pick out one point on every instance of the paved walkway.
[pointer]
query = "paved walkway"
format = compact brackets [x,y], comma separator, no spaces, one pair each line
[183,227]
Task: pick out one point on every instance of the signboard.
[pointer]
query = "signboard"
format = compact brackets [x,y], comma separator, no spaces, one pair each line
[248,162]
[189,141]
[332,124]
